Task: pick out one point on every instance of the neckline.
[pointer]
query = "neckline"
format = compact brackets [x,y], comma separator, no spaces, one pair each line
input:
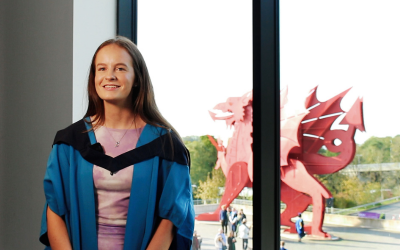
[150,143]
[121,129]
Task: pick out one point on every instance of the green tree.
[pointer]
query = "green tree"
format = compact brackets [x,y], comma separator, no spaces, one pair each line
[203,156]
[209,189]
[349,191]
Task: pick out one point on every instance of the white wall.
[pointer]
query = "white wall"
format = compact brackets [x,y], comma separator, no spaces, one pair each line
[94,22]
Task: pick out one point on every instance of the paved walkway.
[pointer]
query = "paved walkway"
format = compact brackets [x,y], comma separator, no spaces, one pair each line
[350,238]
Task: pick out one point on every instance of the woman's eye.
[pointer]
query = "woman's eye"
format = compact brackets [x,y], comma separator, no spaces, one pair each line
[101,69]
[120,69]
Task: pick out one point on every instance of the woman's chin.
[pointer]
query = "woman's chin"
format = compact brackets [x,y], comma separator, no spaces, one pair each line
[122,102]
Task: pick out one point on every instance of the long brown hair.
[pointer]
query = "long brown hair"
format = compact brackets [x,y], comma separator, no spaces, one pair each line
[142,96]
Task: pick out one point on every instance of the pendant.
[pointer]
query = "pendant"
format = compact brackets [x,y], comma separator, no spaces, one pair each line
[117,144]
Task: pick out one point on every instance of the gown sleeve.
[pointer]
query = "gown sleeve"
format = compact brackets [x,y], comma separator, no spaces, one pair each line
[54,187]
[176,203]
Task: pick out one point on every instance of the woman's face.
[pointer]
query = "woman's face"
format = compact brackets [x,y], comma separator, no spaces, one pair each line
[114,75]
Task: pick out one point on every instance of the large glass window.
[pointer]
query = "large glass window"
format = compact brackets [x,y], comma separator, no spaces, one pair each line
[348,142]
[199,55]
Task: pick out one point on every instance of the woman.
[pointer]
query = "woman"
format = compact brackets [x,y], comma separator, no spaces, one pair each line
[231,241]
[119,178]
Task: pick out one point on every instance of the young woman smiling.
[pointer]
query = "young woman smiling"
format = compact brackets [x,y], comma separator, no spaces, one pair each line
[118,178]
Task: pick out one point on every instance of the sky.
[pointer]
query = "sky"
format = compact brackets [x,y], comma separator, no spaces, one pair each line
[199,53]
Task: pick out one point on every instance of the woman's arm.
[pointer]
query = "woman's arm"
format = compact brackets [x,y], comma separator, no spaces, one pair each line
[57,232]
[163,237]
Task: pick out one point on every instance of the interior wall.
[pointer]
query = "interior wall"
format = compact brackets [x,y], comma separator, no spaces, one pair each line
[36,101]
[2,107]
[45,52]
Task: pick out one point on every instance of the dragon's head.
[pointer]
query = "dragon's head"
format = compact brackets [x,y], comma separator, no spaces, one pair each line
[234,110]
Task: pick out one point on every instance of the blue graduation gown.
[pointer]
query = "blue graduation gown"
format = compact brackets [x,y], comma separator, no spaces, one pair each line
[161,189]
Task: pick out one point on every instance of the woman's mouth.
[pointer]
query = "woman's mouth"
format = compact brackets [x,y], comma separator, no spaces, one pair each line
[111,87]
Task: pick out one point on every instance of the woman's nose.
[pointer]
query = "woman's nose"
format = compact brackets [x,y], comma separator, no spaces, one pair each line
[110,77]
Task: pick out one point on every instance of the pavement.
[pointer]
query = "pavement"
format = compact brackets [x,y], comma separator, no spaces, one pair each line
[349,238]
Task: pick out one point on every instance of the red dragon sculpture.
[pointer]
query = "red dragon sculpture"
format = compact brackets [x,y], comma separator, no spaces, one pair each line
[303,134]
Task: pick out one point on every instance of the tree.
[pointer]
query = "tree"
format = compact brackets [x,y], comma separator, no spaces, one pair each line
[203,156]
[209,189]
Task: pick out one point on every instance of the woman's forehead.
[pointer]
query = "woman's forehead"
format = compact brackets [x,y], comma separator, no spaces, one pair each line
[113,53]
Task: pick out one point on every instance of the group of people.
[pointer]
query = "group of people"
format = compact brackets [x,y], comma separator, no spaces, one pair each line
[231,218]
[236,221]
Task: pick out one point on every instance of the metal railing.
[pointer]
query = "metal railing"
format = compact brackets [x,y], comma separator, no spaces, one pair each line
[353,210]
[217,201]
[363,207]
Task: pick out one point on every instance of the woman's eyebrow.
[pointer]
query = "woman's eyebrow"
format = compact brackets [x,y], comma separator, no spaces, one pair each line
[103,64]
[123,64]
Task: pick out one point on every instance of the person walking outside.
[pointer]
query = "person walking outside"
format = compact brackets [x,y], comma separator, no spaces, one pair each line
[231,241]
[300,227]
[220,240]
[239,220]
[223,218]
[241,211]
[244,234]
[282,245]
[233,219]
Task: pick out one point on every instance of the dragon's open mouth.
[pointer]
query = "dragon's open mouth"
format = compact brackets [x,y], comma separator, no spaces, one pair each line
[217,114]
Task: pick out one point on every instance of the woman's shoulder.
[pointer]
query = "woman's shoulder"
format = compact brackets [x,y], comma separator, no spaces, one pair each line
[73,134]
[172,144]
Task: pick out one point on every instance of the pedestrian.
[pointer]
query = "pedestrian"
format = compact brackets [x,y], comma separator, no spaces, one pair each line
[244,234]
[234,212]
[228,213]
[231,241]
[123,157]
[233,219]
[241,210]
[282,245]
[223,218]
[300,227]
[239,220]
[196,241]
[220,240]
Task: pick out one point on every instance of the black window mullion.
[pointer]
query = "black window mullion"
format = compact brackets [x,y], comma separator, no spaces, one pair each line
[127,19]
[266,124]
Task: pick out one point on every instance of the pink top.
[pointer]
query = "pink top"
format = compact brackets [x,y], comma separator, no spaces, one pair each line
[113,191]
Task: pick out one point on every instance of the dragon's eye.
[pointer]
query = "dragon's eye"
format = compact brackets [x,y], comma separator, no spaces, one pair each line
[337,142]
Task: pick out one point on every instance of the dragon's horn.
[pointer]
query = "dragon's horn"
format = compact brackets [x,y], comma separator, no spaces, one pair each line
[354,117]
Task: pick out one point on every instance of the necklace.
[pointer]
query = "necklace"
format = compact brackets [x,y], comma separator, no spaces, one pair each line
[117,143]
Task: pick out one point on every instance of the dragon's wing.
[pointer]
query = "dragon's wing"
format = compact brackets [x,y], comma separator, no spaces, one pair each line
[319,120]
[289,127]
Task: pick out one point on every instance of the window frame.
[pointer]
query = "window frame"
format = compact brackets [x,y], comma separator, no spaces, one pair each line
[266,114]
